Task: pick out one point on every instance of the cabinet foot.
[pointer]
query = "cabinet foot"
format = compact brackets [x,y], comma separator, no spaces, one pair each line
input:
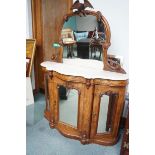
[52,124]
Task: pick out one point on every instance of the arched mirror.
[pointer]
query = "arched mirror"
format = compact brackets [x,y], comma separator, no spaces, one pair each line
[86,35]
[77,34]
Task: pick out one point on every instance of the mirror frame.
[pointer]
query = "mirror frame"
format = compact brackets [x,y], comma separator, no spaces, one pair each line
[109,64]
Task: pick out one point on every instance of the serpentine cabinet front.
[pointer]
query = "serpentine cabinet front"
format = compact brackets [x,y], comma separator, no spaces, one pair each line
[99,107]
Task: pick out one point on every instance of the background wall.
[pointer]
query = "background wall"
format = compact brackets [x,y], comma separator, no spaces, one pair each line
[117,14]
[87,23]
[29,31]
[77,23]
[28,19]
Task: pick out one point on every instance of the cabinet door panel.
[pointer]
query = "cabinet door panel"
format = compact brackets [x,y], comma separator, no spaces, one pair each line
[68,108]
[107,109]
[103,111]
[67,116]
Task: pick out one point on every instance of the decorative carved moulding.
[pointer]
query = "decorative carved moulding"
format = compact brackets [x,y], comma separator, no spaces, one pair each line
[105,43]
[80,7]
[113,66]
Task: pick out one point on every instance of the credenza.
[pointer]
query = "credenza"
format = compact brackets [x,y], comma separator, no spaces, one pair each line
[99,102]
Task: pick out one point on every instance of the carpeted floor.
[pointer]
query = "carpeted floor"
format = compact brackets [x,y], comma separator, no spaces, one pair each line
[42,140]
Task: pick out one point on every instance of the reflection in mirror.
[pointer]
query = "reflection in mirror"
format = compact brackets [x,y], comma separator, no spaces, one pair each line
[68,107]
[106,113]
[76,34]
[103,114]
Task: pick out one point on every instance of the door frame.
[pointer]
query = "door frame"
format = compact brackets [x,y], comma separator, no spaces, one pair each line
[111,136]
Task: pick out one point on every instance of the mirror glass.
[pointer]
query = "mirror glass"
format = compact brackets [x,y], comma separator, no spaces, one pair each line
[106,113]
[76,34]
[68,105]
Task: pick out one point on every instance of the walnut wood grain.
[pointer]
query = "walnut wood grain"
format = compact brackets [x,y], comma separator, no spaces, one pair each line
[90,92]
[37,34]
[46,19]
[112,135]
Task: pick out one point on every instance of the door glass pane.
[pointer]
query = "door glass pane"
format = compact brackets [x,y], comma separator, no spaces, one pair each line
[68,105]
[107,103]
[103,114]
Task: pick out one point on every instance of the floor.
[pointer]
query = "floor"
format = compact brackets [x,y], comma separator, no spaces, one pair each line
[42,140]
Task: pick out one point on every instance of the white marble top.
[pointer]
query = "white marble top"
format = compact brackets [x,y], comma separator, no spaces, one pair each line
[86,68]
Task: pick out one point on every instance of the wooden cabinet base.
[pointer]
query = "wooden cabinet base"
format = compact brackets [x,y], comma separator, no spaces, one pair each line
[90,92]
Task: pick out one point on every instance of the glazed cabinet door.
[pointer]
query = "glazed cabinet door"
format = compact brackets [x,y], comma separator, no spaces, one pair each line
[67,115]
[107,108]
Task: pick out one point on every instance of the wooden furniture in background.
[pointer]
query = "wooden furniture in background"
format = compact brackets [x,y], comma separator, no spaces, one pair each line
[68,41]
[47,18]
[83,48]
[30,52]
[94,49]
[70,51]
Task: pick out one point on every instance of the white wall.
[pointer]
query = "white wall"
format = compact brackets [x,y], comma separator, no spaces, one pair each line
[28,19]
[81,23]
[29,31]
[117,14]
[29,93]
